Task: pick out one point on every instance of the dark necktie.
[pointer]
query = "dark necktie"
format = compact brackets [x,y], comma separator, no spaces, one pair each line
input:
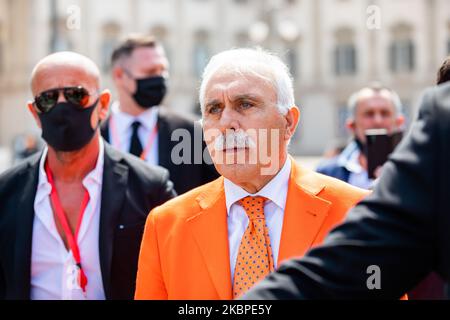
[135,145]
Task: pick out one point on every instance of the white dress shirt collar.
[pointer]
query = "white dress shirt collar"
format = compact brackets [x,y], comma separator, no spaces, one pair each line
[95,175]
[353,164]
[148,118]
[275,190]
[358,177]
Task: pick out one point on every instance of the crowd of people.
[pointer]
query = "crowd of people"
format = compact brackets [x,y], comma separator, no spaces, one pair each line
[130,200]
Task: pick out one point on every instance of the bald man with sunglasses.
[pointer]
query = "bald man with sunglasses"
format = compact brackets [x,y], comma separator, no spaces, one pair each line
[72,217]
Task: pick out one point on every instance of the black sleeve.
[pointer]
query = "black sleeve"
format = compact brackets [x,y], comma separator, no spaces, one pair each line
[5,195]
[2,284]
[392,231]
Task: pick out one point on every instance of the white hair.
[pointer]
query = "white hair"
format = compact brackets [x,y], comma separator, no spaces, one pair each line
[354,99]
[257,62]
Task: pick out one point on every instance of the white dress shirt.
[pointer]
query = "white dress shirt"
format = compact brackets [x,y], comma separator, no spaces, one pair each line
[359,177]
[52,266]
[121,130]
[276,192]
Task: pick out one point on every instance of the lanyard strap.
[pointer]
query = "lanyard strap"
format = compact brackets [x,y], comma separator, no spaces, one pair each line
[61,216]
[117,143]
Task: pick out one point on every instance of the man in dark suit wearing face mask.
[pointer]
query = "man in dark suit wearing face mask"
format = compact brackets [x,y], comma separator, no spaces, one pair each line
[140,125]
[72,217]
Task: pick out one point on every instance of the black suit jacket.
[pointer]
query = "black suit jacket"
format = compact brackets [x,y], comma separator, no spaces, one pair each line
[131,188]
[403,228]
[184,176]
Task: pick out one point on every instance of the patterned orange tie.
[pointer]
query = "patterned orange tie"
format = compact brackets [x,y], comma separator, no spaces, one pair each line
[254,261]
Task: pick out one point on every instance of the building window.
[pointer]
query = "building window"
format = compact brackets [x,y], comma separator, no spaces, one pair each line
[292,61]
[1,51]
[1,59]
[345,60]
[161,33]
[107,49]
[201,52]
[407,112]
[110,32]
[448,38]
[60,39]
[402,50]
[342,114]
[345,57]
[402,56]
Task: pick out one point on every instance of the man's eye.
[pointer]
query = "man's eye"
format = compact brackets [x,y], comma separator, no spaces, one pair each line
[214,109]
[246,105]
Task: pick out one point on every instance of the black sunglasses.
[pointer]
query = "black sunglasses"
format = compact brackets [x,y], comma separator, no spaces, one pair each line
[78,96]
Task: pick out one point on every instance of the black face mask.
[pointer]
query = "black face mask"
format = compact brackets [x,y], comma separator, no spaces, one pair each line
[150,91]
[66,127]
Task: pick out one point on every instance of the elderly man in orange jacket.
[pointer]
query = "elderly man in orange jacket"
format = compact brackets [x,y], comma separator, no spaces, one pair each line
[217,241]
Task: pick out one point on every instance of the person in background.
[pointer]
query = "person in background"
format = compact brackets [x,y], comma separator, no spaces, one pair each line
[25,146]
[334,149]
[141,125]
[72,216]
[373,107]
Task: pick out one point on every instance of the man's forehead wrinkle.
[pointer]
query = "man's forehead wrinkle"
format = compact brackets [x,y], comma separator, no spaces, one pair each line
[219,95]
[233,85]
[213,102]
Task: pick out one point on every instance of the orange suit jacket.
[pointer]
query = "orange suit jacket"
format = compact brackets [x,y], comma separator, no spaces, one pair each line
[184,252]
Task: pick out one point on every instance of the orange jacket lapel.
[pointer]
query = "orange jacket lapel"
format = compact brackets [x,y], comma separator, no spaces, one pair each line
[304,213]
[211,234]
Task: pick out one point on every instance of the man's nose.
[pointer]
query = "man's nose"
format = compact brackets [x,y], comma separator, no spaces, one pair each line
[61,97]
[378,119]
[229,119]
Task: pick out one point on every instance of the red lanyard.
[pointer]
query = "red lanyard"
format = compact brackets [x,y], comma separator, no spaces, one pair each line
[117,143]
[71,238]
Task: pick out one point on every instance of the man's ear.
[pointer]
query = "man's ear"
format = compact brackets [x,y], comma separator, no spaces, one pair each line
[104,102]
[400,121]
[350,124]
[34,113]
[117,73]
[292,119]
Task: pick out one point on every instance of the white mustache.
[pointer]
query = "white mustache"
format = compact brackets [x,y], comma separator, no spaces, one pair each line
[233,140]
